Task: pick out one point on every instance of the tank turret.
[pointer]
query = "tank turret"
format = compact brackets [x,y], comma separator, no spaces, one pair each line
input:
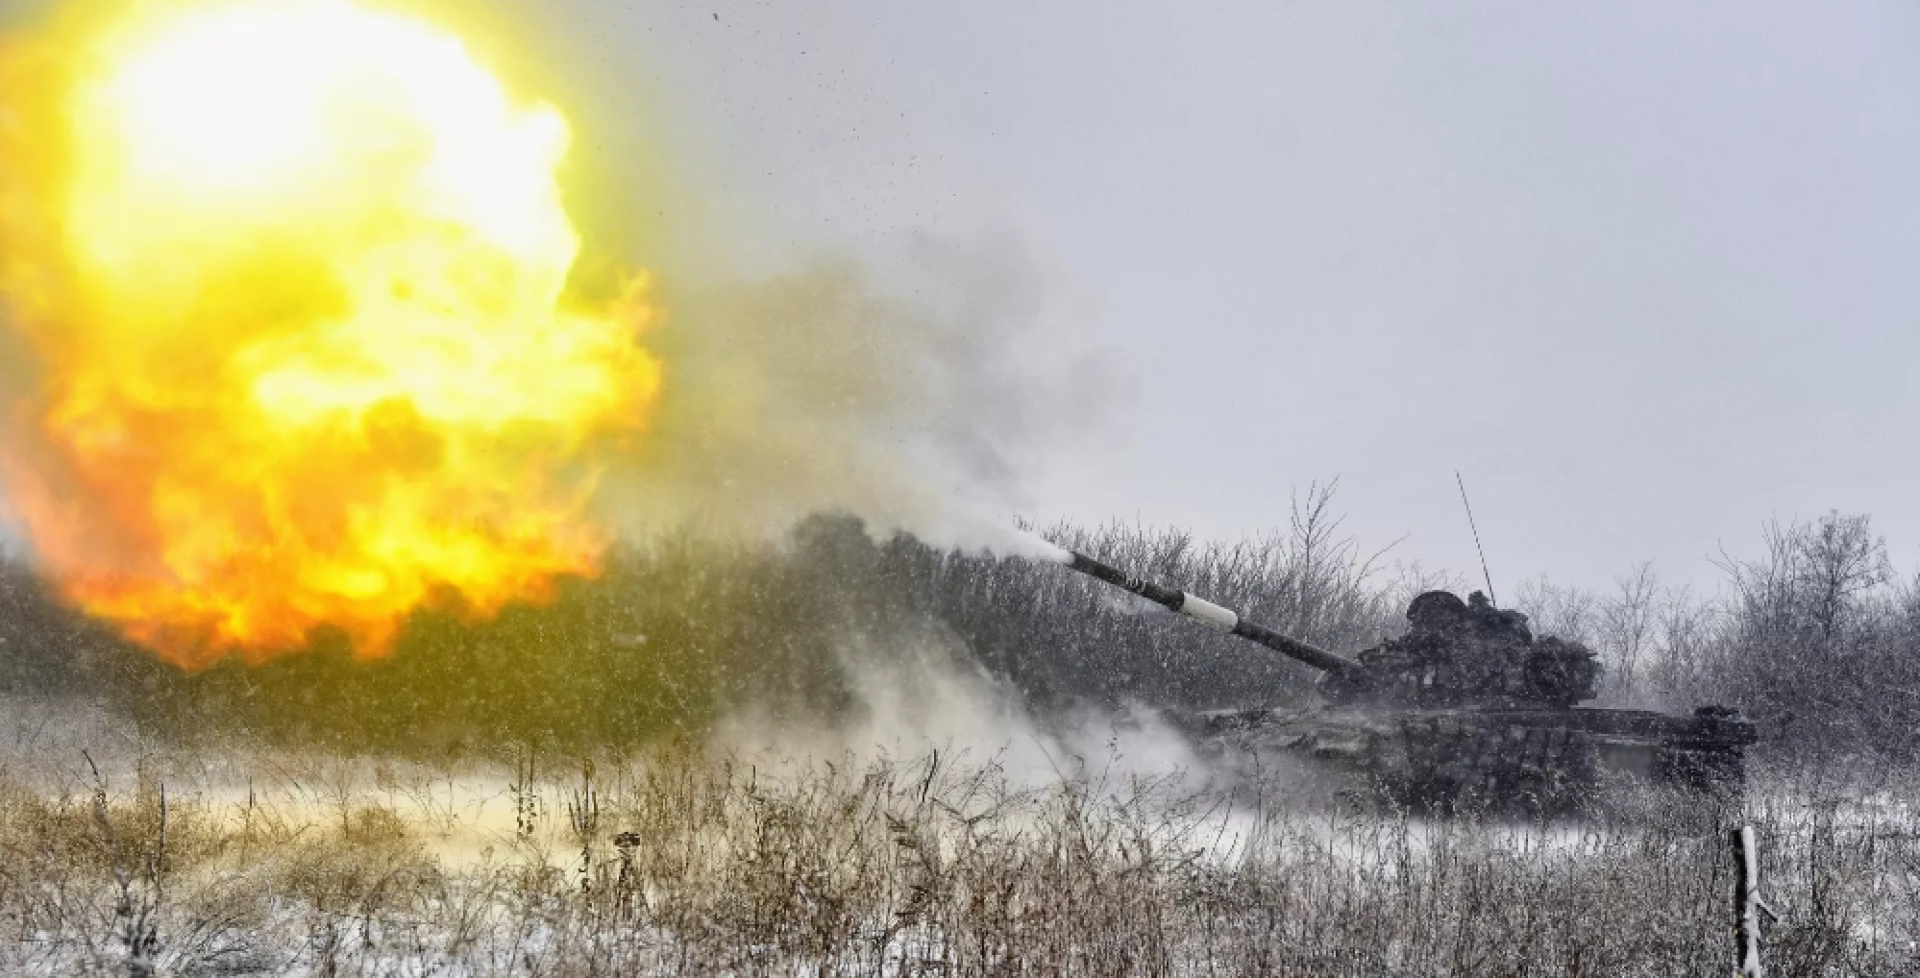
[1455,653]
[1467,707]
[1469,653]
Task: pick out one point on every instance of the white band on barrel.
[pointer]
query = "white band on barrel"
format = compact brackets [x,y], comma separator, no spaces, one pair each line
[1207,613]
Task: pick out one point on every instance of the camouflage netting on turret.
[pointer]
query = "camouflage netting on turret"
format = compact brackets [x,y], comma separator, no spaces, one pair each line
[1469,654]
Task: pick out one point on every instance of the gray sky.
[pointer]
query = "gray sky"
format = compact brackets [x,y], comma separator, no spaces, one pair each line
[1642,271]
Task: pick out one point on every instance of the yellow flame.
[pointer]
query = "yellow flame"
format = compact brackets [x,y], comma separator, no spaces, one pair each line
[295,274]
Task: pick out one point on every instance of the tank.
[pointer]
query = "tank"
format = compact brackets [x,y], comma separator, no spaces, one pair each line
[1467,710]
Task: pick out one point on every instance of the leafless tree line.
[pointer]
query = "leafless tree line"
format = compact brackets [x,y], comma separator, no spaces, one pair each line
[1815,636]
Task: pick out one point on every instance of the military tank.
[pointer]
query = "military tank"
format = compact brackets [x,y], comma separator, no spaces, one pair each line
[1467,710]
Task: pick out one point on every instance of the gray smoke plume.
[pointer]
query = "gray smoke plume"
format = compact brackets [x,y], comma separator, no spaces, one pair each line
[917,398]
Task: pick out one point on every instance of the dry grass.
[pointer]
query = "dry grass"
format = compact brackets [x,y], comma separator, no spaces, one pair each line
[685,862]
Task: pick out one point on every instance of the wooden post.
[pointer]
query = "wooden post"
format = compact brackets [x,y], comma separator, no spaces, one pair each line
[1746,903]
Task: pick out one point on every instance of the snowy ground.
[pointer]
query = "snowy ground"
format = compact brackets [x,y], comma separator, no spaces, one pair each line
[744,858]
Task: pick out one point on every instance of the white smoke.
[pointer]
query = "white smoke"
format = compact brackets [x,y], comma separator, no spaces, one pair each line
[918,696]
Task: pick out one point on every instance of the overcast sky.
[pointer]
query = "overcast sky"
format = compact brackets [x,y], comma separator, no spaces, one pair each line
[1641,271]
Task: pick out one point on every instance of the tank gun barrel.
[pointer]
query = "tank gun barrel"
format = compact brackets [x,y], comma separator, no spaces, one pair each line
[1212,615]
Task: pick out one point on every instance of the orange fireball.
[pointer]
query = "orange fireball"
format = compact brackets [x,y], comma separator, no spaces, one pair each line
[293,277]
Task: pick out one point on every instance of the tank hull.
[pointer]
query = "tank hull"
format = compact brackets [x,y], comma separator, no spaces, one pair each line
[1465,709]
[1533,758]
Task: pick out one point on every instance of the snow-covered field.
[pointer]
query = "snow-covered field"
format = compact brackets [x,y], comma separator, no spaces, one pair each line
[697,859]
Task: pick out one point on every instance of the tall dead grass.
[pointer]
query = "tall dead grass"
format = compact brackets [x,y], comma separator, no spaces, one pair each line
[679,860]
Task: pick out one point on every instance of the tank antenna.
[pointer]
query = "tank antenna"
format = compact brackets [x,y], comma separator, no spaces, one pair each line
[1476,537]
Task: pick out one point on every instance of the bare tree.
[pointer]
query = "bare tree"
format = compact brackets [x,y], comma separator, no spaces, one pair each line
[1687,649]
[1629,621]
[1570,613]
[1811,582]
[1840,559]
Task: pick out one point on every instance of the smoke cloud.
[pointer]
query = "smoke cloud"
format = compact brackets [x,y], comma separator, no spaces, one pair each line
[916,693]
[917,399]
